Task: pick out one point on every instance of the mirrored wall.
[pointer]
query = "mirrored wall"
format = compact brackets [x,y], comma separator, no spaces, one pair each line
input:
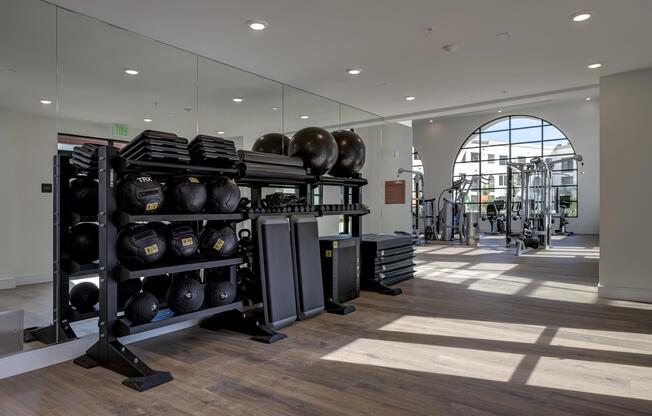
[67,79]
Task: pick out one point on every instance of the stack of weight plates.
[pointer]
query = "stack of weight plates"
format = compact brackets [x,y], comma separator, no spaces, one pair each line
[84,157]
[157,146]
[213,151]
[386,259]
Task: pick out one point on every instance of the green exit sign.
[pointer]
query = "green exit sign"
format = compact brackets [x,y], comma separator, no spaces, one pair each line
[120,130]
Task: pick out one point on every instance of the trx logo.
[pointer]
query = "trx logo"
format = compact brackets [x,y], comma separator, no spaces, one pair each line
[149,250]
[151,206]
[144,179]
[185,242]
[193,180]
[218,245]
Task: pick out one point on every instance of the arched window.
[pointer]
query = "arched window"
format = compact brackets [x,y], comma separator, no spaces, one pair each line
[517,138]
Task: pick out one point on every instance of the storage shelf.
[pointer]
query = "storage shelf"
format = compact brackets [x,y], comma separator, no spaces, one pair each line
[272,182]
[281,214]
[122,273]
[333,181]
[165,317]
[353,212]
[125,218]
[121,163]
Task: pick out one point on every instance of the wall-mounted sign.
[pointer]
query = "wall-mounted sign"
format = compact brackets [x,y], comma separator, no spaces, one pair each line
[46,188]
[120,130]
[395,192]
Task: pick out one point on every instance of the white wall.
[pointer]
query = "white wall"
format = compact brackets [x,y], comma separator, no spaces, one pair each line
[626,197]
[438,144]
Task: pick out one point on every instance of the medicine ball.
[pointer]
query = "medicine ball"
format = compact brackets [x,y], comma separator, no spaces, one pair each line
[223,195]
[185,295]
[139,193]
[128,288]
[83,192]
[275,143]
[181,241]
[352,154]
[186,194]
[84,242]
[218,240]
[83,296]
[219,293]
[139,246]
[157,286]
[141,308]
[317,147]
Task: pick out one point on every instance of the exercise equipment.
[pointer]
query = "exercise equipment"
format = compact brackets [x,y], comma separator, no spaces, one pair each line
[316,147]
[185,295]
[340,265]
[181,241]
[218,293]
[420,210]
[84,242]
[308,286]
[352,154]
[186,194]
[564,203]
[140,246]
[141,308]
[223,195]
[249,285]
[140,193]
[157,286]
[83,192]
[84,157]
[495,217]
[84,296]
[127,289]
[275,143]
[218,240]
[453,222]
[213,151]
[157,146]
[386,259]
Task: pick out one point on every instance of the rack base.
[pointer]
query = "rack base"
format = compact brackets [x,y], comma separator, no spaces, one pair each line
[48,334]
[338,308]
[238,321]
[383,289]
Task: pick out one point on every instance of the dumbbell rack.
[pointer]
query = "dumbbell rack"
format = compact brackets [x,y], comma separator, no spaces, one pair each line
[64,269]
[108,351]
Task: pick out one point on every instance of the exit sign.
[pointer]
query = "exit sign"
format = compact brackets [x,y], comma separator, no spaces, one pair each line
[120,130]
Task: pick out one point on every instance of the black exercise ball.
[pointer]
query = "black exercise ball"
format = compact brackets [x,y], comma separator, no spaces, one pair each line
[352,154]
[275,143]
[186,194]
[157,286]
[141,308]
[223,195]
[218,240]
[185,295]
[181,241]
[127,289]
[83,193]
[219,293]
[140,246]
[317,147]
[84,242]
[140,193]
[83,296]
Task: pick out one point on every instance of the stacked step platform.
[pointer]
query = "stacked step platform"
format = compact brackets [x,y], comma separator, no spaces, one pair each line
[157,146]
[213,151]
[386,259]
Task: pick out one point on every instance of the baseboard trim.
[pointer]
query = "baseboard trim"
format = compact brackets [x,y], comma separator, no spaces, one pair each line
[31,279]
[7,283]
[625,293]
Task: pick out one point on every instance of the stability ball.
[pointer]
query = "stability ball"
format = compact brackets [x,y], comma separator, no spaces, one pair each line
[352,154]
[317,147]
[276,143]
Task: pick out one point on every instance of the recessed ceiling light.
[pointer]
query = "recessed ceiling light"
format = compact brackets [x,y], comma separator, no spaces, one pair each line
[257,25]
[147,120]
[274,108]
[580,16]
[595,66]
[430,121]
[220,132]
[588,98]
[410,98]
[238,100]
[451,48]
[46,102]
[304,117]
[129,71]
[354,71]
[500,111]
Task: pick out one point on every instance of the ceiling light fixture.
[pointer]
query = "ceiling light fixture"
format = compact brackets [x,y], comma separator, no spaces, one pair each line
[451,48]
[304,117]
[595,66]
[129,71]
[410,98]
[274,108]
[257,25]
[500,111]
[147,120]
[588,98]
[580,16]
[430,121]
[238,100]
[46,102]
[354,71]
[220,132]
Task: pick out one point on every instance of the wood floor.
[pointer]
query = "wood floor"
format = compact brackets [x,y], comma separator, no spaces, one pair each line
[479,332]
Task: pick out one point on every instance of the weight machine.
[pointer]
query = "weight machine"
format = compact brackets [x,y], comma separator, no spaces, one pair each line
[452,218]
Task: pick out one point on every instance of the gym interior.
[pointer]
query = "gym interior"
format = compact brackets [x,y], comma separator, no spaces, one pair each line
[325,208]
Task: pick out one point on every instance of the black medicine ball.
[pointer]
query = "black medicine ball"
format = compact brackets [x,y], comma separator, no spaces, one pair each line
[186,194]
[219,293]
[140,193]
[218,240]
[181,241]
[83,296]
[84,242]
[185,295]
[141,308]
[139,246]
[275,143]
[127,289]
[157,286]
[352,153]
[83,192]
[223,195]
[316,147]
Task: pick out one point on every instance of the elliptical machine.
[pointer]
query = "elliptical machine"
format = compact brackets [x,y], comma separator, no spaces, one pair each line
[563,204]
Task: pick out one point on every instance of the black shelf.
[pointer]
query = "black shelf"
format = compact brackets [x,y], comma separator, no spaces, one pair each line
[120,164]
[165,317]
[122,273]
[333,181]
[354,212]
[125,218]
[281,214]
[272,182]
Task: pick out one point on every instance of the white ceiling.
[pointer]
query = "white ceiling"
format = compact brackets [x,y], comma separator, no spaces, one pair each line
[310,44]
